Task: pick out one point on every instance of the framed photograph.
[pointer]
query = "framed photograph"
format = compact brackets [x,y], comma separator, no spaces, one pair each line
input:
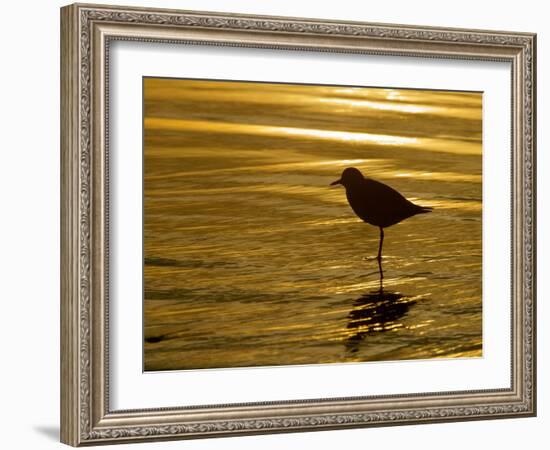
[274,224]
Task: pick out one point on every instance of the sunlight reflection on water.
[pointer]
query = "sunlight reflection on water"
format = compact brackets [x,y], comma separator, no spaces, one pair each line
[251,259]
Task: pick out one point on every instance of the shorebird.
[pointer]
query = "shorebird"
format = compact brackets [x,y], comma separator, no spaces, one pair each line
[376,204]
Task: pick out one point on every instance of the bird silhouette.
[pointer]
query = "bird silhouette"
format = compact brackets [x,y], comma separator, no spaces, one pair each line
[376,204]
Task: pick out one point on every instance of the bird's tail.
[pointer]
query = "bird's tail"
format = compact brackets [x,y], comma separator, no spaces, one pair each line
[424,209]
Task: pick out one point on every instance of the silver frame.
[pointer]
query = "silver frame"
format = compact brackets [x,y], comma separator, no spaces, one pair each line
[86,33]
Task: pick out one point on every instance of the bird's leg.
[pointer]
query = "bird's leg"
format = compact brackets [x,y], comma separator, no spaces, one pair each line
[379,257]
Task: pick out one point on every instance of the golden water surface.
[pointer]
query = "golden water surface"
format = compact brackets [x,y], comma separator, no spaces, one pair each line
[251,259]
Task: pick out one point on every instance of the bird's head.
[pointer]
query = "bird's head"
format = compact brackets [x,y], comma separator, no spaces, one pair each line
[350,176]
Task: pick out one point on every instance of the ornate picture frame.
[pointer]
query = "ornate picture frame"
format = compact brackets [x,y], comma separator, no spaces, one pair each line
[87,31]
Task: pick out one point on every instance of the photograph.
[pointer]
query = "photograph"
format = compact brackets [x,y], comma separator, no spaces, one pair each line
[295,224]
[284,223]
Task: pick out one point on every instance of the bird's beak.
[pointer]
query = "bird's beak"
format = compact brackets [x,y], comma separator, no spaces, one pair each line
[334,183]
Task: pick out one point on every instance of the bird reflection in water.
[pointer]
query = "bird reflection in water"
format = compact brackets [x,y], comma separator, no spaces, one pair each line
[374,312]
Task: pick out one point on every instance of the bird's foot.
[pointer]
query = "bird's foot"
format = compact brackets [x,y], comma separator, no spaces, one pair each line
[370,258]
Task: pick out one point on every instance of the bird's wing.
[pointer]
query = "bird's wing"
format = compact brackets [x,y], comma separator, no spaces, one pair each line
[379,204]
[384,194]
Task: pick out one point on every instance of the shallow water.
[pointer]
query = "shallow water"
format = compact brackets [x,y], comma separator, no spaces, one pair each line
[251,259]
